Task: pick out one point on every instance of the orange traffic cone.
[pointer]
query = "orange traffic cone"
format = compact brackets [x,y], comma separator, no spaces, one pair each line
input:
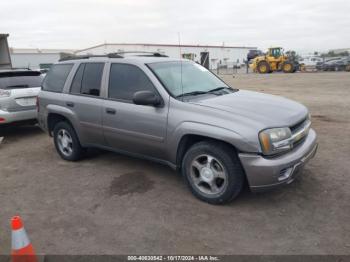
[22,249]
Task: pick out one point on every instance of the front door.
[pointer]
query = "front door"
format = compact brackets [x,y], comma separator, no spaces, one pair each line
[129,127]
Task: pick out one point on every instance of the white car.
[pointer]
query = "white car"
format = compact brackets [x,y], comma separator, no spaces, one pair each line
[310,60]
[18,91]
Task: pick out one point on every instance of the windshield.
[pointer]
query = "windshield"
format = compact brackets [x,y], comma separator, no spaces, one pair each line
[185,77]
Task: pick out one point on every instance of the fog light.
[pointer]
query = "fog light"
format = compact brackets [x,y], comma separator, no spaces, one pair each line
[285,173]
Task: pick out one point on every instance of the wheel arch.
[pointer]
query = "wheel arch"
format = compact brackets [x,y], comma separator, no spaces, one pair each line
[189,140]
[57,114]
[53,119]
[189,133]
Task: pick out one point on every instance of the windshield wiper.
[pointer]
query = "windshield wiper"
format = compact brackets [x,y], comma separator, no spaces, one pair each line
[212,91]
[218,89]
[194,93]
[230,89]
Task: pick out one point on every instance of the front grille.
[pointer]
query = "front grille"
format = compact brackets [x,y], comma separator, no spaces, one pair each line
[300,131]
[298,125]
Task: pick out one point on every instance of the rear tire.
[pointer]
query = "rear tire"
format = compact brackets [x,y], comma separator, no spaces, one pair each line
[66,142]
[263,67]
[213,172]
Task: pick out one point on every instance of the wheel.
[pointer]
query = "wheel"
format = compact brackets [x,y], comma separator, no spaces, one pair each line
[263,67]
[347,68]
[66,142]
[213,172]
[288,67]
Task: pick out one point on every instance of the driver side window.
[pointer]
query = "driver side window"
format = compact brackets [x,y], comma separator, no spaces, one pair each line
[125,80]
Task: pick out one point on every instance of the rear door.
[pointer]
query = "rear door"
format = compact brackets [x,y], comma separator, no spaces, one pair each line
[85,101]
[129,127]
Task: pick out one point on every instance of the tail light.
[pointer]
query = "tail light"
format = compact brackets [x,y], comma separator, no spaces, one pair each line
[5,93]
[37,104]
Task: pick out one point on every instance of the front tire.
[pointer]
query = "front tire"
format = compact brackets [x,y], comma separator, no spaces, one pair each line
[288,67]
[66,142]
[213,172]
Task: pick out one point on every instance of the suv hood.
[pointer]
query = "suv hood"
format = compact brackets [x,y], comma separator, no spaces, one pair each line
[260,110]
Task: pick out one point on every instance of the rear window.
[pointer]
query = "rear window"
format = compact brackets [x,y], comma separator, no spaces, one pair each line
[56,77]
[13,80]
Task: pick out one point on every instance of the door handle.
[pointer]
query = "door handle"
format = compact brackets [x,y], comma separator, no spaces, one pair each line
[110,111]
[70,104]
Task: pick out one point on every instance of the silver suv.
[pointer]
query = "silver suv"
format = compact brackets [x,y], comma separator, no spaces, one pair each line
[18,91]
[178,113]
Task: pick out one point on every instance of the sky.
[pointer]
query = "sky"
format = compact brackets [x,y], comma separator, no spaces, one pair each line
[301,25]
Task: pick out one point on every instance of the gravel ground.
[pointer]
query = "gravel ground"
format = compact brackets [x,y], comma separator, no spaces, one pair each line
[112,204]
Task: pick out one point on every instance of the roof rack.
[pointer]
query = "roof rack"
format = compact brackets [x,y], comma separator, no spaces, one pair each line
[142,53]
[77,57]
[113,55]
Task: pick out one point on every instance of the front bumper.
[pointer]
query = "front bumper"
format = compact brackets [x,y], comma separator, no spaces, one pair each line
[266,173]
[17,116]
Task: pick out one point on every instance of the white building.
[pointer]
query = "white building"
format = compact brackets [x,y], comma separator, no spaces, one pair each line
[5,60]
[339,51]
[208,55]
[35,58]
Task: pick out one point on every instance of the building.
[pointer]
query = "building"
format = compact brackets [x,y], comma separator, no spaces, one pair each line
[340,51]
[211,56]
[36,58]
[5,60]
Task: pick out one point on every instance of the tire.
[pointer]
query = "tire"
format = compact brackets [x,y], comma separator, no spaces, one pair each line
[66,142]
[224,166]
[347,68]
[263,67]
[288,67]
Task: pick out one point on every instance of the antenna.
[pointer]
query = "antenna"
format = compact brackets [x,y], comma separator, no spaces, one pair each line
[182,87]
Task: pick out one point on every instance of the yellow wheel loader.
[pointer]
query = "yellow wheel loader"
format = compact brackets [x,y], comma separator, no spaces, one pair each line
[274,60]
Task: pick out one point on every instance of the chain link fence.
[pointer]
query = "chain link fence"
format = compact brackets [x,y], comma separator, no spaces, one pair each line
[231,69]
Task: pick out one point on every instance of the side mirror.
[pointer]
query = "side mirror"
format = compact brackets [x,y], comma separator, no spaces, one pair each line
[147,98]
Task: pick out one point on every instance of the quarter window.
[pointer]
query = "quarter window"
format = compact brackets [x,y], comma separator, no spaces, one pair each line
[76,84]
[87,79]
[56,77]
[125,80]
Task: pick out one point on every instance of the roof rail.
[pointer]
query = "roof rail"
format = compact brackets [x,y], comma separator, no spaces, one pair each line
[141,53]
[77,57]
[113,55]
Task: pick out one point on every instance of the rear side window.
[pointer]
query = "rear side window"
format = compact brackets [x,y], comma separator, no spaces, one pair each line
[87,79]
[18,80]
[56,77]
[125,80]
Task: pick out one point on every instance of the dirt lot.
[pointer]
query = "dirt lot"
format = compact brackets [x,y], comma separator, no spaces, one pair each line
[111,204]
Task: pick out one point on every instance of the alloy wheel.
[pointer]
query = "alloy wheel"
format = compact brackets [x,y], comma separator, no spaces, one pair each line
[208,175]
[65,142]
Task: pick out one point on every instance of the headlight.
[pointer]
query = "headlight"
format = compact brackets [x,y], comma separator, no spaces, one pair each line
[275,140]
[5,93]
